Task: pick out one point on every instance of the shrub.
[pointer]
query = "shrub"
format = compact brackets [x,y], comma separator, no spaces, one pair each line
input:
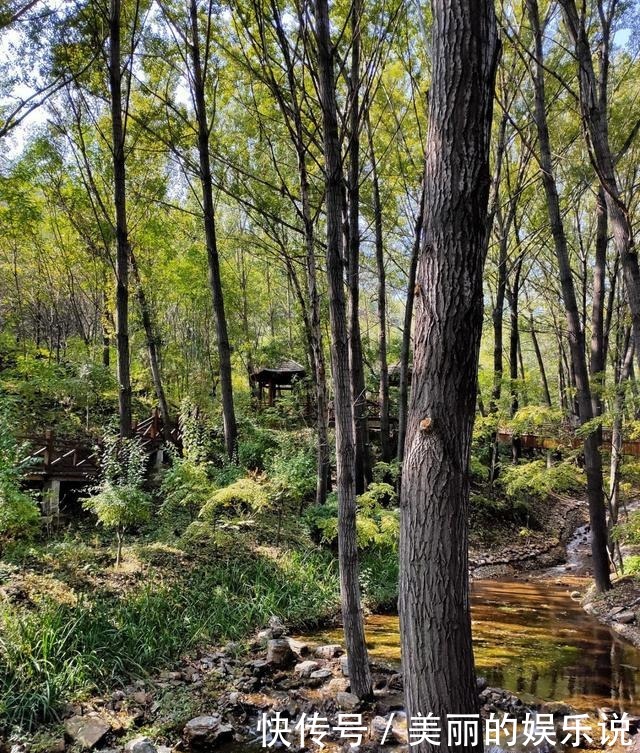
[185,488]
[629,531]
[377,494]
[120,502]
[293,471]
[245,495]
[118,508]
[255,445]
[201,440]
[534,479]
[375,525]
[632,565]
[388,472]
[19,514]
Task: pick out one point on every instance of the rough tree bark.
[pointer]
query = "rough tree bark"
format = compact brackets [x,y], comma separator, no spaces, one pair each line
[122,233]
[592,442]
[358,662]
[213,261]
[434,589]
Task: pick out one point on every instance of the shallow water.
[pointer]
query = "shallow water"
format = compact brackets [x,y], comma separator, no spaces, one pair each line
[533,639]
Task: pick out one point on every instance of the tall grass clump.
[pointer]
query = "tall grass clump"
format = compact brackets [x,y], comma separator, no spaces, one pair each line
[53,654]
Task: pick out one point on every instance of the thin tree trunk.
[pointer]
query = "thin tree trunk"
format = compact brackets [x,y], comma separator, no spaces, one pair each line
[122,234]
[592,456]
[498,313]
[540,360]
[598,353]
[616,434]
[106,340]
[405,349]
[314,324]
[363,465]
[152,349]
[514,345]
[383,400]
[434,590]
[358,661]
[593,105]
[213,261]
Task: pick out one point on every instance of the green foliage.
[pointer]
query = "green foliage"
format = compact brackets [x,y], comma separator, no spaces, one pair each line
[123,461]
[49,656]
[629,478]
[185,487]
[200,440]
[377,494]
[534,479]
[537,419]
[120,506]
[629,531]
[376,526]
[486,511]
[19,514]
[292,470]
[485,427]
[244,496]
[255,445]
[119,502]
[479,471]
[632,565]
[379,577]
[389,472]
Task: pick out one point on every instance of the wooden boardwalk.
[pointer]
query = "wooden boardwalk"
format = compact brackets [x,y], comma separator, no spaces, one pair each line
[78,459]
[541,442]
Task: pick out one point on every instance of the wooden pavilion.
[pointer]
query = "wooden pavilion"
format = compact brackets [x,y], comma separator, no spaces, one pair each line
[274,381]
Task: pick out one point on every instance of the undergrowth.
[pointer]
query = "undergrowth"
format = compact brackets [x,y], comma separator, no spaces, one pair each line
[57,652]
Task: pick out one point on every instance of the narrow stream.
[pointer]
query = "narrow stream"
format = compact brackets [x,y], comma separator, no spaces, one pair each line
[532,638]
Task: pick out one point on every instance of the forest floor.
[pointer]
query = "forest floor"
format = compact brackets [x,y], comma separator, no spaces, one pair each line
[170,636]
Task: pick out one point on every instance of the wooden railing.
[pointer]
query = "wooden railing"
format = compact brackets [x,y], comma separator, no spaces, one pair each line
[78,460]
[540,442]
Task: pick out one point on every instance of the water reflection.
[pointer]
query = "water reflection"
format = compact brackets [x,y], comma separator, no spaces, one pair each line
[534,640]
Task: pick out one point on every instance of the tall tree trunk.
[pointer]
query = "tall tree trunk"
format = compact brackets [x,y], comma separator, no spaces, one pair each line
[434,590]
[592,442]
[498,313]
[514,346]
[122,233]
[358,661]
[598,353]
[213,261]
[152,348]
[363,465]
[106,339]
[383,399]
[593,105]
[623,372]
[405,349]
[543,372]
[323,456]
